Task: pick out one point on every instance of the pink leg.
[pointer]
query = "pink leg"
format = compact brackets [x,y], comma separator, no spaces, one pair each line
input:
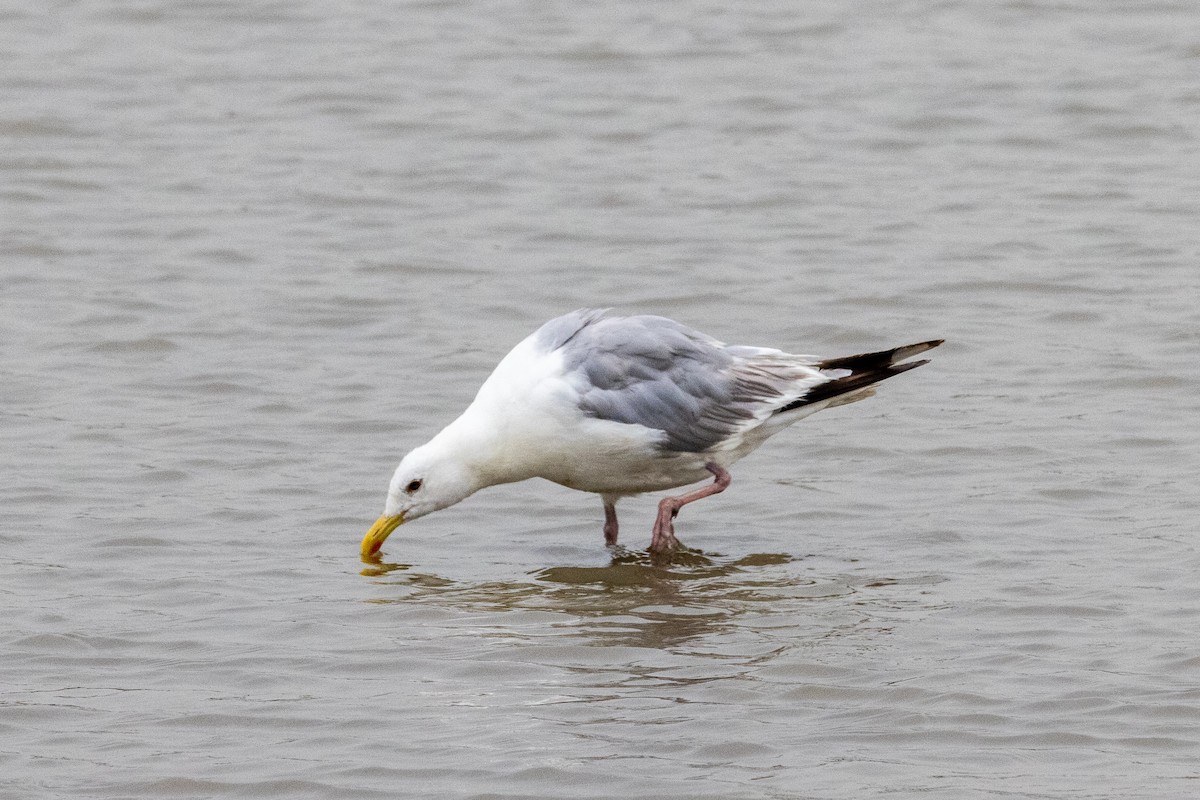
[610,520]
[664,529]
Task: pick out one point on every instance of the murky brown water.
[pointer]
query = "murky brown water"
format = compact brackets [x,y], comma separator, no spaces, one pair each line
[254,252]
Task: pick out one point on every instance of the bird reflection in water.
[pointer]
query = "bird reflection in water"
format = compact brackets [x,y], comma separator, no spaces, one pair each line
[636,600]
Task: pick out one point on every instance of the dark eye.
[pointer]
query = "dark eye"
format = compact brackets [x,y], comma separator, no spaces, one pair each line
[412,486]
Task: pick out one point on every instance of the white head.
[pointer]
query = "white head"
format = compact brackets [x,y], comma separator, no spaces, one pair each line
[427,480]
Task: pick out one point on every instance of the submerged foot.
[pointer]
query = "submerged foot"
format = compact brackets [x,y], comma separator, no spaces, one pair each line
[663,539]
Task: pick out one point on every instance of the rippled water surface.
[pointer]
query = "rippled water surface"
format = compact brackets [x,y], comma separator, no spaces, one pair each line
[253,252]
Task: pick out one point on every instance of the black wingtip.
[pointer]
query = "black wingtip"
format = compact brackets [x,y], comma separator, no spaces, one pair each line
[865,370]
[913,349]
[865,362]
[896,369]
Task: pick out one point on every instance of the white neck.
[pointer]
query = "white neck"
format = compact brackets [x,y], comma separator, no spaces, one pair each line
[474,445]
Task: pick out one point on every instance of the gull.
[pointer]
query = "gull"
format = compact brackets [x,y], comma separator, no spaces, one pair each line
[618,406]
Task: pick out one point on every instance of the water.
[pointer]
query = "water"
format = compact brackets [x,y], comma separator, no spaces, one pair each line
[252,253]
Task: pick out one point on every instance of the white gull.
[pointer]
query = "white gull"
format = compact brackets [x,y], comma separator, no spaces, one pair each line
[624,405]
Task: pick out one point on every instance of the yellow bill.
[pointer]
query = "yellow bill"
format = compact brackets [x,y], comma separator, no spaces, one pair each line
[382,529]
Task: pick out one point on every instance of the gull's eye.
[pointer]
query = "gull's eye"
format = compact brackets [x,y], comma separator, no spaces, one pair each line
[412,486]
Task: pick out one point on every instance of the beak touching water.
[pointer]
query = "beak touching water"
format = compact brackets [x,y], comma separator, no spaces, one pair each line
[382,528]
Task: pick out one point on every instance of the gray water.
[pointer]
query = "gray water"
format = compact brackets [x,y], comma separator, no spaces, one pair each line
[251,253]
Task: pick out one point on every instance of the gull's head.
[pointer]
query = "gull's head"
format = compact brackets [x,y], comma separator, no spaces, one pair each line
[427,480]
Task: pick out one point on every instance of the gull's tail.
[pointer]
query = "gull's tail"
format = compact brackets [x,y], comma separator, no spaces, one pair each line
[863,371]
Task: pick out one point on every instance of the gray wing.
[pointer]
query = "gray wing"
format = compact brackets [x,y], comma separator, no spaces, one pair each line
[655,372]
